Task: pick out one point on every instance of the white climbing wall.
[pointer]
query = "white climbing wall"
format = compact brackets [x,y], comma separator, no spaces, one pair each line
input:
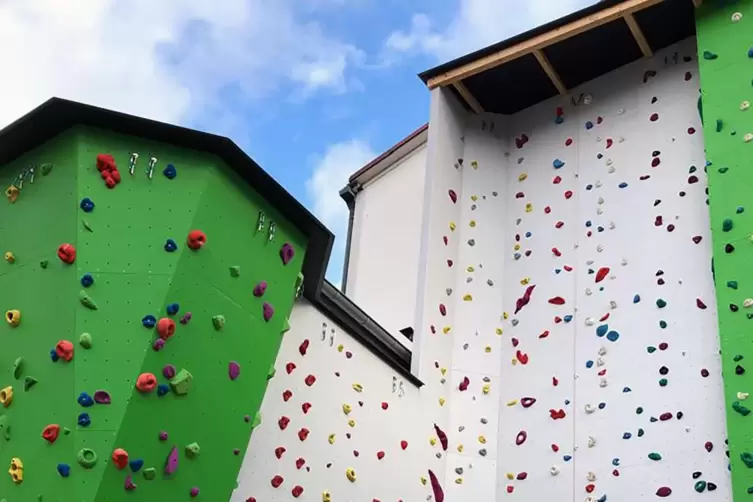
[607,218]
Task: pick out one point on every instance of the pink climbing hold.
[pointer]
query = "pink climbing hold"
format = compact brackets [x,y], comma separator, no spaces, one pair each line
[514,341]
[171,463]
[260,288]
[547,210]
[699,303]
[453,196]
[664,491]
[691,130]
[659,221]
[435,486]
[555,382]
[559,224]
[602,274]
[519,195]
[665,416]
[464,384]
[128,484]
[286,253]
[521,438]
[267,311]
[655,162]
[527,402]
[521,476]
[599,120]
[704,373]
[233,370]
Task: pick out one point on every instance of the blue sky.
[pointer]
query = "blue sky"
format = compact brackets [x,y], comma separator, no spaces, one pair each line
[311,89]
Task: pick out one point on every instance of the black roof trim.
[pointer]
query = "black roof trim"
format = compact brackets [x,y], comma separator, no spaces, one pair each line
[598,6]
[57,115]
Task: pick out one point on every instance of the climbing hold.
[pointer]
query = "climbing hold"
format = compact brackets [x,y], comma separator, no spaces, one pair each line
[165,328]
[181,383]
[259,289]
[171,463]
[64,350]
[16,470]
[170,172]
[171,246]
[557,163]
[85,340]
[67,253]
[521,438]
[87,205]
[84,420]
[186,318]
[50,433]
[13,317]
[233,370]
[29,382]
[436,487]
[601,274]
[708,55]
[727,225]
[102,397]
[87,458]
[196,239]
[218,322]
[193,450]
[64,470]
[350,473]
[172,309]
[146,382]
[120,458]
[267,311]
[664,491]
[287,253]
[527,402]
[86,300]
[654,456]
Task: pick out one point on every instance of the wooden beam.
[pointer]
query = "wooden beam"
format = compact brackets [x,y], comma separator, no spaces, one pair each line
[541,41]
[638,35]
[551,73]
[468,97]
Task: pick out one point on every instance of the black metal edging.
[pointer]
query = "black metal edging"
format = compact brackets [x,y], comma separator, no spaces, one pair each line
[342,311]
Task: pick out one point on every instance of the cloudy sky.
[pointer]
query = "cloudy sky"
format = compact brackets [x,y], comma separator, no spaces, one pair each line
[311,89]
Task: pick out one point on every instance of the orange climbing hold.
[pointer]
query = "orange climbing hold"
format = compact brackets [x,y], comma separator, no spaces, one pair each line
[165,328]
[146,382]
[120,458]
[51,433]
[64,350]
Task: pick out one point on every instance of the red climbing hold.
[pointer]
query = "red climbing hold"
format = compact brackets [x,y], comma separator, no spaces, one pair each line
[691,130]
[568,194]
[277,481]
[289,368]
[655,162]
[699,303]
[709,446]
[688,76]
[297,491]
[663,346]
[449,263]
[599,120]
[453,196]
[654,117]
[310,380]
[609,143]
[283,423]
[444,238]
[64,350]
[196,239]
[556,252]
[165,328]
[602,274]
[557,180]
[544,334]
[555,382]
[568,268]
[510,488]
[50,433]
[442,437]
[557,414]
[555,448]
[523,300]
[704,373]
[521,476]
[697,239]
[658,221]
[559,224]
[464,384]
[303,434]
[514,342]
[105,162]
[664,491]
[305,407]
[557,300]
[604,317]
[435,486]
[385,405]
[287,395]
[403,444]
[442,309]
[547,210]
[299,463]
[692,179]
[521,438]
[568,141]
[380,455]
[120,458]
[665,416]
[279,451]
[519,195]
[521,357]
[616,473]
[590,488]
[303,347]
[67,253]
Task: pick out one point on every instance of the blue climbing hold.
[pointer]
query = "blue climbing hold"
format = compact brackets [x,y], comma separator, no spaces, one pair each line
[170,172]
[750,52]
[603,498]
[149,321]
[516,256]
[589,364]
[173,309]
[599,228]
[528,234]
[626,390]
[85,400]
[602,405]
[623,185]
[64,470]
[162,389]
[588,224]
[589,186]
[87,205]
[54,355]
[170,246]
[557,163]
[136,464]
[636,298]
[613,336]
[627,435]
[567,458]
[559,119]
[567,402]
[602,330]
[557,270]
[589,125]
[616,462]
[84,420]
[87,280]
[567,318]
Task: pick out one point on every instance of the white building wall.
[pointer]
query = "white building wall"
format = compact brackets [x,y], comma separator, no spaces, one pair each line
[383,264]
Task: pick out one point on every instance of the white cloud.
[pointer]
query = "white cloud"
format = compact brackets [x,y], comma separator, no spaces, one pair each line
[331,173]
[170,60]
[475,25]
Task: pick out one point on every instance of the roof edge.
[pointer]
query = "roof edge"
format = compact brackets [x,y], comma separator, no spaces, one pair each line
[399,148]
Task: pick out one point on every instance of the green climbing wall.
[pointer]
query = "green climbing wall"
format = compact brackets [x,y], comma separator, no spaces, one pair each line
[122,247]
[727,88]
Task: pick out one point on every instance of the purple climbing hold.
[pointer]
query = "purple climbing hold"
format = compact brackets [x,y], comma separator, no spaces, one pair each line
[233,370]
[287,253]
[158,344]
[102,397]
[171,464]
[168,371]
[129,484]
[163,436]
[267,311]
[195,491]
[186,317]
[260,288]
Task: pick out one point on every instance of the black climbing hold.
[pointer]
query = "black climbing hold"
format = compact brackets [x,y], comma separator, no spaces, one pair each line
[663,370]
[733,307]
[729,248]
[697,474]
[739,370]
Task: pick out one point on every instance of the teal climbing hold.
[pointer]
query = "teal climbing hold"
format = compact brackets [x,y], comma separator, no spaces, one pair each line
[602,330]
[732,284]
[747,459]
[727,225]
[708,55]
[662,324]
[613,336]
[719,125]
[739,408]
[661,303]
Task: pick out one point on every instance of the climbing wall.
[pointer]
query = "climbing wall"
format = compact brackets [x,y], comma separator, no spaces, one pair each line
[151,306]
[724,59]
[585,312]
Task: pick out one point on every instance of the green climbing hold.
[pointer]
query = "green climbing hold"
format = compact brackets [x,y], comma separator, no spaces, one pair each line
[722,170]
[708,55]
[235,271]
[654,456]
[6,432]
[732,284]
[662,324]
[700,486]
[256,422]
[86,458]
[661,303]
[87,226]
[181,382]
[43,263]
[719,125]
[747,459]
[638,410]
[193,450]
[663,382]
[641,432]
[18,367]
[727,225]
[87,301]
[650,349]
[29,382]
[66,431]
[742,410]
[750,489]
[46,168]
[85,340]
[737,358]
[218,322]
[150,473]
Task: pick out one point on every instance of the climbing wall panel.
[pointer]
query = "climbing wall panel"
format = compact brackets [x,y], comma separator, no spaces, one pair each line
[724,57]
[221,314]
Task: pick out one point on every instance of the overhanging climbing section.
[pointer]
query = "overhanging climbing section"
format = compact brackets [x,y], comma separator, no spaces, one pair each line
[147,287]
[725,58]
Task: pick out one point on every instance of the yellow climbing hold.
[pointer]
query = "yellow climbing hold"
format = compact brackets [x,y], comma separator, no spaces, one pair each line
[340,347]
[470,268]
[472,223]
[443,371]
[488,349]
[16,470]
[522,176]
[357,387]
[352,422]
[474,198]
[350,473]
[517,247]
[331,439]
[458,481]
[505,315]
[512,403]
[498,331]
[446,329]
[474,164]
[529,207]
[524,281]
[433,441]
[452,226]
[486,388]
[742,396]
[510,475]
[460,448]
[6,396]
[467,297]
[482,439]
[13,317]
[326,497]
[513,361]
[441,401]
[347,409]
[423,480]
[10,257]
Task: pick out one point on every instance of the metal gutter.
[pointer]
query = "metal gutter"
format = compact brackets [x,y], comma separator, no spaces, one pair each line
[348,194]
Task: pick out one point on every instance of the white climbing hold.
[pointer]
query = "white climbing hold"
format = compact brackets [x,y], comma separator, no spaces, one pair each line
[554,470]
[736,17]
[612,304]
[587,99]
[591,477]
[742,396]
[590,262]
[744,105]
[603,383]
[599,248]
[600,362]
[590,408]
[603,351]
[748,138]
[748,302]
[600,200]
[611,169]
[621,139]
[591,442]
[590,321]
[624,262]
[589,499]
[599,210]
[598,184]
[588,292]
[609,162]
[612,225]
[621,111]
